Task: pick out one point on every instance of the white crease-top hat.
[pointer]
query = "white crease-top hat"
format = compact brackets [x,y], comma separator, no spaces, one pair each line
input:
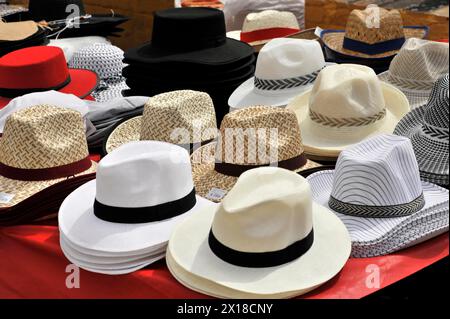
[267,239]
[285,68]
[261,27]
[347,104]
[416,67]
[143,189]
[377,192]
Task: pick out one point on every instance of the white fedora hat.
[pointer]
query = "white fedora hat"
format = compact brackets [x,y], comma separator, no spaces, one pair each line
[261,27]
[285,68]
[377,192]
[267,239]
[416,67]
[143,189]
[346,105]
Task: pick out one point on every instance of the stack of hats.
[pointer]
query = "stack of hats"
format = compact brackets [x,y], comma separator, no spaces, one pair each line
[122,221]
[430,62]
[43,158]
[377,192]
[372,37]
[18,35]
[428,128]
[189,50]
[185,118]
[106,61]
[68,18]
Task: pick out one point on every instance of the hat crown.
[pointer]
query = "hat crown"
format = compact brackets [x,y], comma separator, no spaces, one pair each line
[104,59]
[374,25]
[144,174]
[267,210]
[270,19]
[42,137]
[437,110]
[259,135]
[286,58]
[429,58]
[51,10]
[354,91]
[381,171]
[182,29]
[179,117]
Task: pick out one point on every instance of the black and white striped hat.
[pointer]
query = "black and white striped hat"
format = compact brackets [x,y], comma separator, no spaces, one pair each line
[428,129]
[377,192]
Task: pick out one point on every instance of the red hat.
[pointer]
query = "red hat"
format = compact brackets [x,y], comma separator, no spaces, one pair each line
[42,68]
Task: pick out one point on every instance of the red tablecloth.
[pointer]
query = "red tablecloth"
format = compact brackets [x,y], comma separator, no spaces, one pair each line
[33,266]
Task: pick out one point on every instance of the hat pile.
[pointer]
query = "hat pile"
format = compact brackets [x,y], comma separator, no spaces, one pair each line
[122,221]
[189,50]
[430,62]
[18,35]
[377,192]
[43,158]
[372,37]
[427,127]
[106,61]
[267,239]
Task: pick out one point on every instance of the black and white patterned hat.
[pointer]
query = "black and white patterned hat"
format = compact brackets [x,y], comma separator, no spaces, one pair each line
[377,192]
[415,69]
[106,61]
[428,129]
[8,10]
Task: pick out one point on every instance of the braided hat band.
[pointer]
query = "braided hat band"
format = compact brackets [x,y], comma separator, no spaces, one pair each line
[283,84]
[346,122]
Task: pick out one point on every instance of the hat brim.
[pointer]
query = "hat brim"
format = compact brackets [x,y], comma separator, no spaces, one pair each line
[111,92]
[334,40]
[122,133]
[229,52]
[81,227]
[206,178]
[189,249]
[431,164]
[416,98]
[23,190]
[329,142]
[373,231]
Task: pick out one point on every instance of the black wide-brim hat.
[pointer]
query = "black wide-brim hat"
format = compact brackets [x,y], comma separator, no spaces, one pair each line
[192,35]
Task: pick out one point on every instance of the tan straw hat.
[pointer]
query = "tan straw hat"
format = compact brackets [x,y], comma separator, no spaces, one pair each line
[179,117]
[347,104]
[16,31]
[41,146]
[249,138]
[371,33]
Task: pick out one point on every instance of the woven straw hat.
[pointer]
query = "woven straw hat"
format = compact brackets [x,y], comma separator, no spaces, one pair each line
[364,37]
[430,60]
[363,106]
[428,128]
[261,27]
[179,117]
[40,147]
[249,138]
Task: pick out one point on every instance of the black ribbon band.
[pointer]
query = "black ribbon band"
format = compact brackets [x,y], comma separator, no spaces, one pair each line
[13,93]
[377,211]
[260,260]
[126,215]
[237,170]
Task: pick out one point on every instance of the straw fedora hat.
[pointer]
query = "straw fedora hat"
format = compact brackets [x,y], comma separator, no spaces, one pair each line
[249,138]
[428,128]
[121,213]
[363,106]
[285,68]
[267,239]
[261,27]
[372,33]
[41,146]
[182,117]
[377,193]
[430,60]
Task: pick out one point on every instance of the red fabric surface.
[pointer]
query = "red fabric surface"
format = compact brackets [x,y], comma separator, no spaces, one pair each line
[267,34]
[33,266]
